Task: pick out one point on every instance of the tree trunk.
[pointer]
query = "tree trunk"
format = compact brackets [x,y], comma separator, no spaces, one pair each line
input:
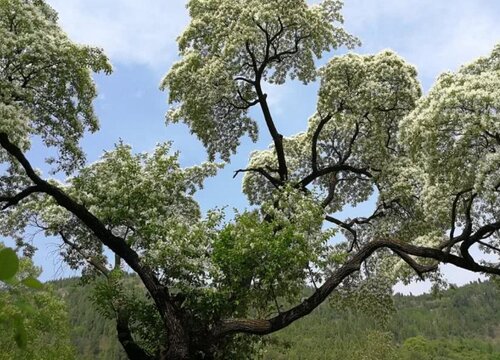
[177,336]
[177,350]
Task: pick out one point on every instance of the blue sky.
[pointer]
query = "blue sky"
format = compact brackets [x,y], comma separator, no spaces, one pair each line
[139,37]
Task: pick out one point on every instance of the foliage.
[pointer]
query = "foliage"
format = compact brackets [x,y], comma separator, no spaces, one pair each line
[212,284]
[33,319]
[453,136]
[217,66]
[14,276]
[45,80]
[420,348]
[9,264]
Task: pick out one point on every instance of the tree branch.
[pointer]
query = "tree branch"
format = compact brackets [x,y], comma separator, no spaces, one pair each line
[331,191]
[419,268]
[469,240]
[133,350]
[346,227]
[91,260]
[358,221]
[242,78]
[272,179]
[278,56]
[252,56]
[262,99]
[377,213]
[314,144]
[277,137]
[489,246]
[95,225]
[14,200]
[454,211]
[351,143]
[246,101]
[267,326]
[333,168]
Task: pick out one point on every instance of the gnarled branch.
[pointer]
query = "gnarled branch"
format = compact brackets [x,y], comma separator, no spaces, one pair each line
[267,326]
[14,200]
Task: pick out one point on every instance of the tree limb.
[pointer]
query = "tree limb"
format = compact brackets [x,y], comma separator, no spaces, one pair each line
[419,268]
[95,225]
[314,143]
[489,246]
[469,240]
[267,326]
[346,227]
[331,192]
[333,168]
[351,143]
[262,99]
[454,211]
[14,200]
[133,350]
[91,260]
[263,172]
[277,137]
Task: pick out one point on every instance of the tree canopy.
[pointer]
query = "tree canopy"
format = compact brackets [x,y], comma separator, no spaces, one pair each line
[211,284]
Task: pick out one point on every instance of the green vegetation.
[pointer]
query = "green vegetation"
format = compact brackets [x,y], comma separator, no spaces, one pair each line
[461,323]
[93,336]
[33,318]
[457,324]
[210,281]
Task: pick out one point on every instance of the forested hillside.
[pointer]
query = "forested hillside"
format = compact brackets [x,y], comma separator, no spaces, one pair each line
[93,336]
[460,323]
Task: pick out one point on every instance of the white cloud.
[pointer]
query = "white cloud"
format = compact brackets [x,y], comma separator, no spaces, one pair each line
[277,96]
[130,31]
[436,36]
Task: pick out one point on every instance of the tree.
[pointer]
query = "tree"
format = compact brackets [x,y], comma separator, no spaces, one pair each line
[212,285]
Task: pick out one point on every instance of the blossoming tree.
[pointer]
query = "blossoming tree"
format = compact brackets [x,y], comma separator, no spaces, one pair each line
[208,283]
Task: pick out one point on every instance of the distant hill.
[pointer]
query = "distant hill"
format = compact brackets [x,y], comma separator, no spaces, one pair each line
[459,323]
[93,336]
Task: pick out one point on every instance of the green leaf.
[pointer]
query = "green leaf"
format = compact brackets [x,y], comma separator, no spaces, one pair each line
[9,263]
[33,283]
[21,337]
[25,306]
[12,281]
